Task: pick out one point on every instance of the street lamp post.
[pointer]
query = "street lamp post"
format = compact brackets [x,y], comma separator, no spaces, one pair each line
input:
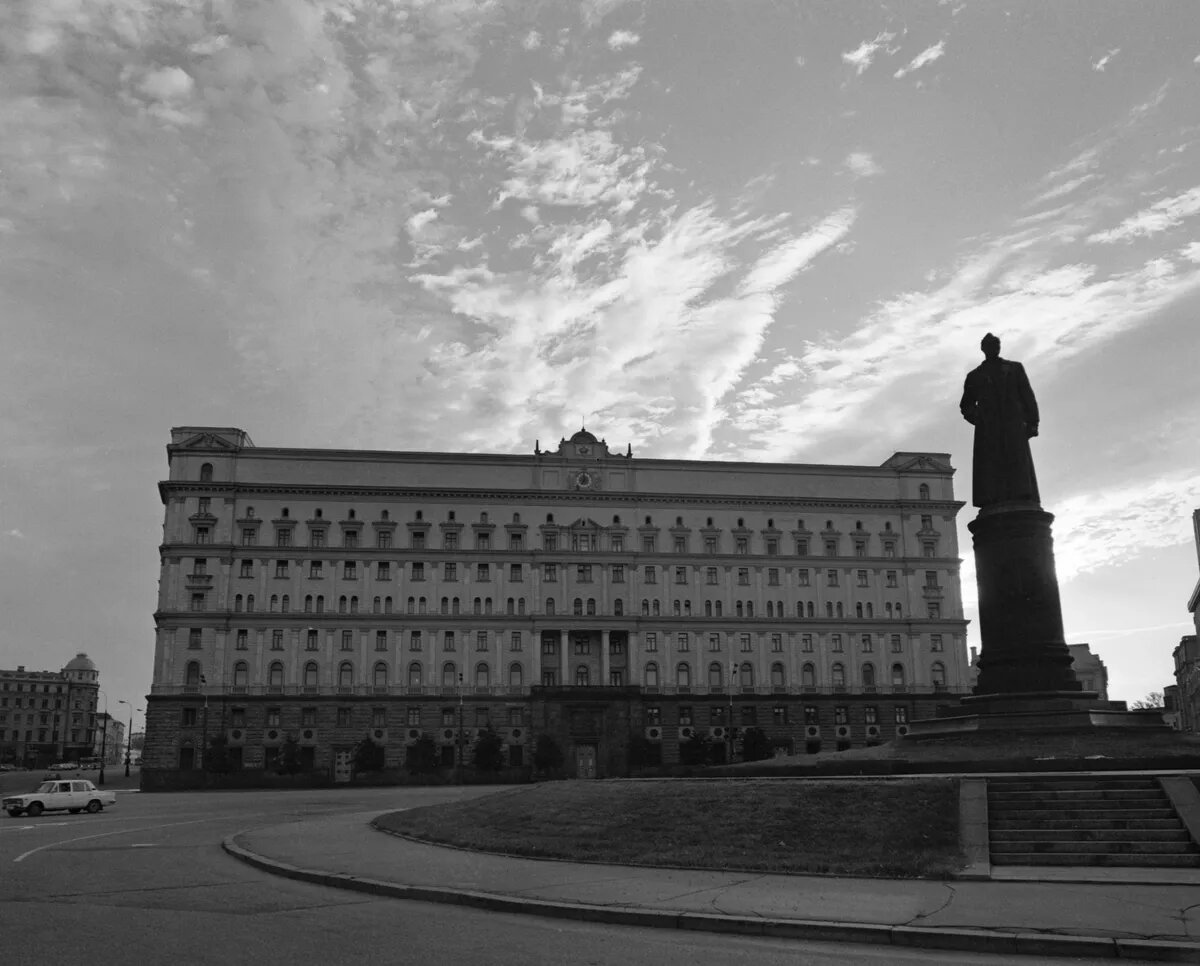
[129,735]
[460,727]
[729,724]
[103,739]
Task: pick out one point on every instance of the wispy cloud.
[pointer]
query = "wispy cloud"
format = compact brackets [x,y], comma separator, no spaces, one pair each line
[1103,61]
[927,56]
[862,165]
[620,39]
[861,57]
[1160,216]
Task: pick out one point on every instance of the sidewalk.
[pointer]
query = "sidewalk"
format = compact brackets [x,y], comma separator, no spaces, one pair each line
[1118,916]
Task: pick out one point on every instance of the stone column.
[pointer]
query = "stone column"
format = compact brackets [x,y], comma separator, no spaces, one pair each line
[535,659]
[564,667]
[633,658]
[604,658]
[1020,616]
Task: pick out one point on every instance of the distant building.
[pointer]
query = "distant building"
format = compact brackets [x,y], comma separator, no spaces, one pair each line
[110,738]
[48,716]
[1187,682]
[1171,713]
[1089,669]
[330,595]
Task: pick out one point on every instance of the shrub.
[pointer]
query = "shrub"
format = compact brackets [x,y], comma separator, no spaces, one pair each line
[421,758]
[756,746]
[696,749]
[488,753]
[368,756]
[289,756]
[547,756]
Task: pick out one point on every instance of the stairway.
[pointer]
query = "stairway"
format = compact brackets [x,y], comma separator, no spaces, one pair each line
[1094,820]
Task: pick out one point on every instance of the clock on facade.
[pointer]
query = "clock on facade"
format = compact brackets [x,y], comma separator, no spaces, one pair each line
[584,480]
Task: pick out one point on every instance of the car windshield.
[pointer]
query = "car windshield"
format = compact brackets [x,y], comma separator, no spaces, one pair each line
[48,787]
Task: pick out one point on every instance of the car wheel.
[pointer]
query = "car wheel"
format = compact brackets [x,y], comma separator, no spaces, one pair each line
[94,806]
[74,811]
[14,812]
[34,809]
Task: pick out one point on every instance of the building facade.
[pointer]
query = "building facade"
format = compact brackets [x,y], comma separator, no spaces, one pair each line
[110,739]
[580,592]
[48,716]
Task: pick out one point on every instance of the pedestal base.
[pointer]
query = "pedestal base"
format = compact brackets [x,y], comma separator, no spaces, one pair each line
[1036,712]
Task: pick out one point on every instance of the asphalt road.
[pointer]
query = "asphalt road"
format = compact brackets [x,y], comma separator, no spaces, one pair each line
[146,883]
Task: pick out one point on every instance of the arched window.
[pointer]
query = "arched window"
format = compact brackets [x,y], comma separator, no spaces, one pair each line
[310,674]
[275,675]
[454,606]
[577,607]
[192,672]
[274,605]
[379,677]
[591,607]
[345,675]
[840,612]
[487,605]
[344,601]
[520,605]
[308,603]
[550,606]
[514,675]
[241,674]
[778,679]
[206,473]
[445,605]
[738,608]
[354,605]
[812,610]
[770,609]
[897,675]
[720,607]
[708,608]
[654,607]
[651,675]
[870,610]
[582,676]
[449,675]
[887,610]
[645,608]
[286,606]
[868,675]
[238,604]
[808,676]
[676,608]
[482,675]
[414,674]
[249,603]
[749,608]
[510,606]
[828,608]
[687,608]
[858,609]
[376,605]
[683,676]
[898,615]
[923,491]
[715,679]
[746,675]
[839,676]
[387,605]
[937,674]
[619,607]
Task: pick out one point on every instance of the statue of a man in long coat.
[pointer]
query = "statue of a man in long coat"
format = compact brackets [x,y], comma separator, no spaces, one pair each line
[998,401]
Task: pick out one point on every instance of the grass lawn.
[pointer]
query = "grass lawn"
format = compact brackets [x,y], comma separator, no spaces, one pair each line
[906,828]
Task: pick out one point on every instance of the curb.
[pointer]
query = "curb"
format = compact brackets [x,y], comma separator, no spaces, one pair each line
[958,939]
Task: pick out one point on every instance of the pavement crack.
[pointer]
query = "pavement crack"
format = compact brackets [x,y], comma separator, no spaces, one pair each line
[951,893]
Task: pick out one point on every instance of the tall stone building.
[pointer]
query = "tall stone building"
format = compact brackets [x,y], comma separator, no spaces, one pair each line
[48,716]
[580,592]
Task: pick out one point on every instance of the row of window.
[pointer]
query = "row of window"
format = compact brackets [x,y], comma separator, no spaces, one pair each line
[779,715]
[45,736]
[739,675]
[480,717]
[682,640]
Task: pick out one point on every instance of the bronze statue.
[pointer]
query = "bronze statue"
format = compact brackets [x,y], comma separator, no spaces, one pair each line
[998,401]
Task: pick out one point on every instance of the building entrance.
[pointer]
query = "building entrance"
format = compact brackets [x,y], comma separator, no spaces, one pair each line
[585,761]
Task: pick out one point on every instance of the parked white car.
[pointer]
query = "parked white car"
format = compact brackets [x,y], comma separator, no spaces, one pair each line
[71,796]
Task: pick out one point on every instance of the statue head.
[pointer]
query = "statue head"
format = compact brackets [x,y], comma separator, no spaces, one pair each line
[990,346]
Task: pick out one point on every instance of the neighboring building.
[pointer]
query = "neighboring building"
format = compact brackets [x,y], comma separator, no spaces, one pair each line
[328,594]
[48,716]
[1089,670]
[1187,683]
[1171,707]
[110,738]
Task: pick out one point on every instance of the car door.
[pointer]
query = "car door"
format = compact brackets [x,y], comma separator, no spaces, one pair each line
[80,794]
[61,797]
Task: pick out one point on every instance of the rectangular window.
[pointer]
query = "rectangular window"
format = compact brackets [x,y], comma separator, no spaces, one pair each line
[450,571]
[383,571]
[835,642]
[194,634]
[653,715]
[347,640]
[831,548]
[682,641]
[481,718]
[749,714]
[831,578]
[311,642]
[200,567]
[549,541]
[418,571]
[772,576]
[412,717]
[897,644]
[281,568]
[514,641]
[868,644]
[716,714]
[448,640]
[900,714]
[841,715]
[680,544]
[891,579]
[928,548]
[481,641]
[277,640]
[583,646]
[926,521]
[379,717]
[272,718]
[862,578]
[871,714]
[283,537]
[811,715]
[743,576]
[249,537]
[350,570]
[742,545]
[776,643]
[514,572]
[931,579]
[350,538]
[516,541]
[714,642]
[483,541]
[652,641]
[889,548]
[616,543]
[772,547]
[550,572]
[802,577]
[618,573]
[483,572]
[681,575]
[710,575]
[316,538]
[243,639]
[801,547]
[383,539]
[779,714]
[710,544]
[647,544]
[806,642]
[685,715]
[414,640]
[203,504]
[935,642]
[416,539]
[549,647]
[237,717]
[860,548]
[448,717]
[650,575]
[744,640]
[583,573]
[343,717]
[450,540]
[381,640]
[314,570]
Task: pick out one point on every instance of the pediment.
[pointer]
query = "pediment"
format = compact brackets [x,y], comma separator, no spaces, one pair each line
[919,463]
[584,524]
[207,441]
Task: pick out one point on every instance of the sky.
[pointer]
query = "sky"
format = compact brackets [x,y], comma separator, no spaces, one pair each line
[712,229]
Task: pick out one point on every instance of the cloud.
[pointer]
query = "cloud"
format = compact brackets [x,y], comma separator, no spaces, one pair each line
[1103,61]
[15,534]
[927,56]
[532,40]
[620,39]
[861,57]
[862,165]
[1159,217]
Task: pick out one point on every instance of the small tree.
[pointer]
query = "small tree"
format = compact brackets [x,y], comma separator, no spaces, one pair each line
[1151,702]
[695,749]
[755,745]
[547,756]
[422,757]
[289,756]
[488,753]
[368,756]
